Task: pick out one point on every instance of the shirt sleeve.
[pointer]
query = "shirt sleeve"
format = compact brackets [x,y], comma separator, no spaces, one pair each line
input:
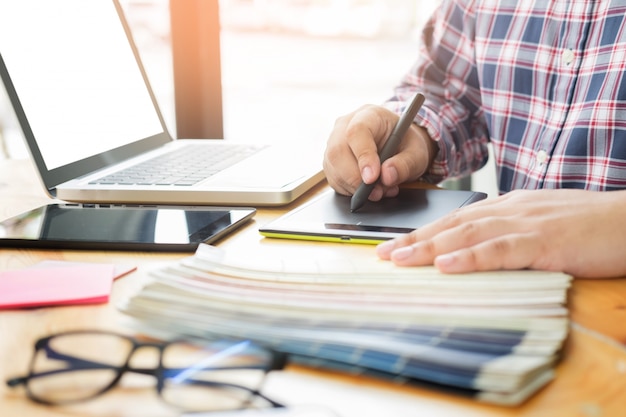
[446,73]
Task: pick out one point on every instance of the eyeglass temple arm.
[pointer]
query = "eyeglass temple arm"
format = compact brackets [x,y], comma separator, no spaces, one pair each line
[222,384]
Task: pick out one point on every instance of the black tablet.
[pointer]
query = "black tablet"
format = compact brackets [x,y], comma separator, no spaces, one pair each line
[328,217]
[121,227]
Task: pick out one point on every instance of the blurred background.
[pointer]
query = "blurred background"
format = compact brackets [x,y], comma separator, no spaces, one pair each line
[289,68]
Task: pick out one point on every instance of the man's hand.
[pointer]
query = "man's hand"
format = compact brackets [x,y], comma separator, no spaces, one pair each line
[582,233]
[352,153]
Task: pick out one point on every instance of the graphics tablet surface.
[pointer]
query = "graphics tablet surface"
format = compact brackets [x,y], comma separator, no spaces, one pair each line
[328,217]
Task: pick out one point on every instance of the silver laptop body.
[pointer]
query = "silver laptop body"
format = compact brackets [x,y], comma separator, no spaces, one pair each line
[86,108]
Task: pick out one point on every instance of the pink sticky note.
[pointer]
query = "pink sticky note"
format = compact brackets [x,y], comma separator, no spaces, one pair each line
[60,285]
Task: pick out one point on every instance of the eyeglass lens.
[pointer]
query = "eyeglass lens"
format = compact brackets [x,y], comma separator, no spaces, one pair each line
[75,367]
[227,376]
[93,359]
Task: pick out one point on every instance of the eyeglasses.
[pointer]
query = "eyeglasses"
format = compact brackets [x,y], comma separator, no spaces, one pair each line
[77,366]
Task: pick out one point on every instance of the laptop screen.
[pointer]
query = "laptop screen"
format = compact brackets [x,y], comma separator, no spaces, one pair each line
[76,77]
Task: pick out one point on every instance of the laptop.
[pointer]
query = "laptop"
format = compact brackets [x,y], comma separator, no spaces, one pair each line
[89,115]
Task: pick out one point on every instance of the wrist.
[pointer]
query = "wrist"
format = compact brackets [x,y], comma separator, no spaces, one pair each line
[430,147]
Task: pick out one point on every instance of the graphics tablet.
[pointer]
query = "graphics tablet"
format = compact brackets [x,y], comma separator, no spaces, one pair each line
[121,227]
[328,217]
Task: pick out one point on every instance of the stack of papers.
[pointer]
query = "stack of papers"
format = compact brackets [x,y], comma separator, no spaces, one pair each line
[495,336]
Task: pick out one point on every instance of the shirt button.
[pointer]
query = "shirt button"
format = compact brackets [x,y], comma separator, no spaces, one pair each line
[568,56]
[542,157]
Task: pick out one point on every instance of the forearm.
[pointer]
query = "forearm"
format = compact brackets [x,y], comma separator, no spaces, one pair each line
[431,152]
[445,73]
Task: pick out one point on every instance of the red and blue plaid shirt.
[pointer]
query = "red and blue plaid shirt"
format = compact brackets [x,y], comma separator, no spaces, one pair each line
[543,81]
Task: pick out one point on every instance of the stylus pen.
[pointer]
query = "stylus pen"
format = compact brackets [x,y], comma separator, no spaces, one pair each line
[389,148]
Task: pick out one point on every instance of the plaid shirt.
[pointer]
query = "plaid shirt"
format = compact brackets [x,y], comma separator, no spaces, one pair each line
[543,81]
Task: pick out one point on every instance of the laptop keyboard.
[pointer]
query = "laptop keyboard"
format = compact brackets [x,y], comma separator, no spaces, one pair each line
[182,167]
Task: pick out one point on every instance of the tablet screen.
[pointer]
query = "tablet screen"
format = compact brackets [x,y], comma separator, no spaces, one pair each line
[77,226]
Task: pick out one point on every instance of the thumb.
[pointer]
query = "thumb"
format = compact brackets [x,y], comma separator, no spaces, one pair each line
[416,152]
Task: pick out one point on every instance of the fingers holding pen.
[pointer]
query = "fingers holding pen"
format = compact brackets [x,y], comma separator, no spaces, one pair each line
[412,159]
[340,165]
[352,151]
[365,134]
[409,159]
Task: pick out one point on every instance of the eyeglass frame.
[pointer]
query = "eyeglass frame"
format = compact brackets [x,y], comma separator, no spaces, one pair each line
[278,361]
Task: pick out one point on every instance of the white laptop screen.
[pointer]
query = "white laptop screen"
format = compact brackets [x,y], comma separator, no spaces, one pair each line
[76,77]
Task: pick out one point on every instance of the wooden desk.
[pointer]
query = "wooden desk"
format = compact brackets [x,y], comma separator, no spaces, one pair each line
[590,382]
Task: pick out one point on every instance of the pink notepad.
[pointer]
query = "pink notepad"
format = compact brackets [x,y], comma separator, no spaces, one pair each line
[58,283]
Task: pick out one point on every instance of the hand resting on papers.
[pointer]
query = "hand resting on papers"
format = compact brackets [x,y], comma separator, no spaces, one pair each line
[582,233]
